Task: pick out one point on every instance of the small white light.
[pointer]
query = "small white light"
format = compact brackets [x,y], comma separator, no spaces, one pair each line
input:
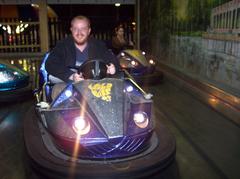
[122,54]
[144,53]
[129,89]
[35,5]
[15,73]
[79,123]
[151,61]
[138,117]
[141,119]
[68,93]
[134,63]
[18,29]
[81,126]
[117,4]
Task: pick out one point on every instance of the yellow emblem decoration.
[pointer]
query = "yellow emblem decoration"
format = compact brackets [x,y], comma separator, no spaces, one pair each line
[101,90]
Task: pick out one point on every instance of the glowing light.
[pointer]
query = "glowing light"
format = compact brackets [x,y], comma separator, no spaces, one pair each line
[122,54]
[9,29]
[81,126]
[117,4]
[151,61]
[35,5]
[129,89]
[68,93]
[25,65]
[5,77]
[15,73]
[17,29]
[144,53]
[134,63]
[213,101]
[133,23]
[141,119]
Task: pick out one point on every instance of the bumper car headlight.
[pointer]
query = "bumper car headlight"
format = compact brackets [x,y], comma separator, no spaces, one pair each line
[141,119]
[122,54]
[68,93]
[134,63]
[6,76]
[129,88]
[81,126]
[151,61]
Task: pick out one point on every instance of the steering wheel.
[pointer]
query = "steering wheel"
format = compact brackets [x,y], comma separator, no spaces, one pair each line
[93,69]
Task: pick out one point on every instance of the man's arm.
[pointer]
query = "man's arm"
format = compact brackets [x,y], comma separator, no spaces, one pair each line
[56,64]
[110,57]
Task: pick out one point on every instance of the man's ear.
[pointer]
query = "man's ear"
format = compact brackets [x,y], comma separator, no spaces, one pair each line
[89,31]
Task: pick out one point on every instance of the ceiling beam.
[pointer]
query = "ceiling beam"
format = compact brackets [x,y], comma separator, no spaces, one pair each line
[18,2]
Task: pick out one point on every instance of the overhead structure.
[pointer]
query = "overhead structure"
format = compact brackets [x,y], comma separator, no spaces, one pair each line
[68,1]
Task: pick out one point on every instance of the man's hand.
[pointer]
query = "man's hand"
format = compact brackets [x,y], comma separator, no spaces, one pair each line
[76,77]
[111,69]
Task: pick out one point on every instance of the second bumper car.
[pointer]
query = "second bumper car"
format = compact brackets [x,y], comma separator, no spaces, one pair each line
[140,66]
[14,83]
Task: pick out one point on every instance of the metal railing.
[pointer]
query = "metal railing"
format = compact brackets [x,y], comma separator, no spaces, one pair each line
[24,37]
[18,36]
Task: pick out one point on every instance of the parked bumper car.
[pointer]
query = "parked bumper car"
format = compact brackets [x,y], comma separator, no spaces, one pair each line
[140,66]
[97,129]
[14,83]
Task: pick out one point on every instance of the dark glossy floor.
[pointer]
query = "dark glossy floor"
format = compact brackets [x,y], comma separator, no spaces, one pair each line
[208,144]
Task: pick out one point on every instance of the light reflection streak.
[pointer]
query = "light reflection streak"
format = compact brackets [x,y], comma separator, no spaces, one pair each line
[213,101]
[76,148]
[74,157]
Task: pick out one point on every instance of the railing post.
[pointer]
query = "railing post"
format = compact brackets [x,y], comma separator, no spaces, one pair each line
[137,20]
[43,23]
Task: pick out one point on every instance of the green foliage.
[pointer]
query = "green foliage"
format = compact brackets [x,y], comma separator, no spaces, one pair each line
[192,34]
[183,17]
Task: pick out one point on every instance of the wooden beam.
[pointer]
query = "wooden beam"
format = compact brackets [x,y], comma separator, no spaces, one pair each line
[43,22]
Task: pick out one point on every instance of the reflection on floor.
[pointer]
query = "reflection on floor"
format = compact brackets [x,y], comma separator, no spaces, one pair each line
[208,144]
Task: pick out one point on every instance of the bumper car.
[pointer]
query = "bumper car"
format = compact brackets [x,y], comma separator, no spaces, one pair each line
[140,66]
[100,127]
[14,83]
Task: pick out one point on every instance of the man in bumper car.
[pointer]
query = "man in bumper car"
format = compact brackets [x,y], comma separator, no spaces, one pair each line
[75,50]
[93,128]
